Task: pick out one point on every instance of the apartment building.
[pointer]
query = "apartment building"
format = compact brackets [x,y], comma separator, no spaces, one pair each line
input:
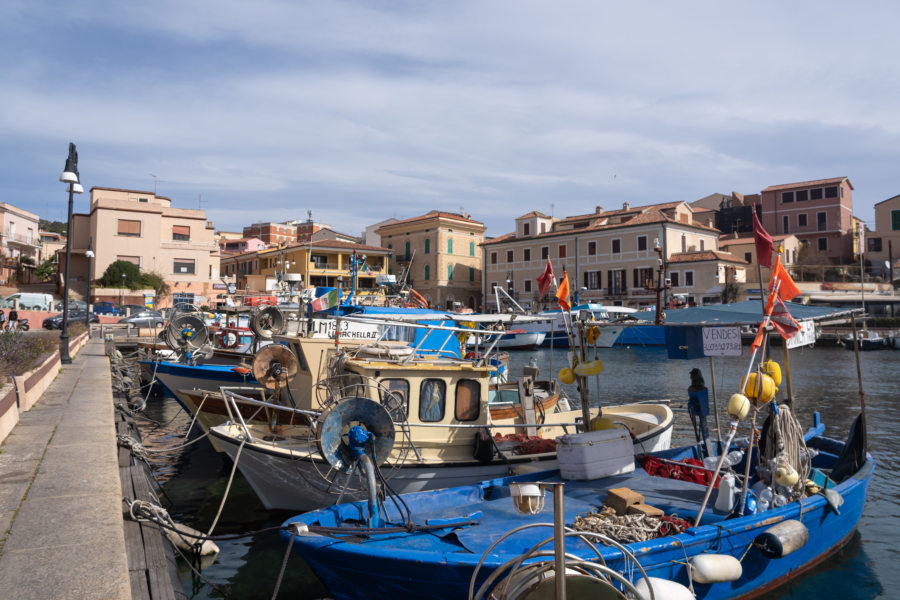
[324,263]
[744,248]
[19,232]
[145,229]
[439,254]
[271,234]
[819,213]
[241,245]
[883,244]
[610,256]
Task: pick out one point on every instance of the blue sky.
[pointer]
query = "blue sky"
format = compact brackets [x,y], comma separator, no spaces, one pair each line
[360,111]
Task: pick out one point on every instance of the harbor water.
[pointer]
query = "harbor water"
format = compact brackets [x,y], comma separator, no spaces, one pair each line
[824,379]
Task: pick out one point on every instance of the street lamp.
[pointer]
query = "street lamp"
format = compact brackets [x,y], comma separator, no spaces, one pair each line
[69,177]
[123,291]
[89,253]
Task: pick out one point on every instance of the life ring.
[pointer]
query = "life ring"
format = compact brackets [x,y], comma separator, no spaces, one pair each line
[227,338]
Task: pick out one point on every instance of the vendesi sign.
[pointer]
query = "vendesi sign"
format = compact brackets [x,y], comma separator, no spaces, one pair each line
[721,341]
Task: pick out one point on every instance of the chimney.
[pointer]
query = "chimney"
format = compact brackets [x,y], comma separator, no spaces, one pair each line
[709,222]
[625,206]
[598,210]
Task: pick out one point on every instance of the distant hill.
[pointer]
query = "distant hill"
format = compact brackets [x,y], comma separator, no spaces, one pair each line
[54,226]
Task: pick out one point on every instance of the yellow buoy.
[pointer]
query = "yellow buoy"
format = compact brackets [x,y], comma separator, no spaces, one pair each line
[592,367]
[786,476]
[738,406]
[773,370]
[566,375]
[760,394]
[593,333]
[599,423]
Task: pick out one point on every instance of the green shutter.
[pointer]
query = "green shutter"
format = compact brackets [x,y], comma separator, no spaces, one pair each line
[471,273]
[427,246]
[449,245]
[895,220]
[449,272]
[471,248]
[427,272]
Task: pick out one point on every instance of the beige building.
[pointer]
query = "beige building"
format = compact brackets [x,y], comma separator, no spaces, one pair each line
[145,229]
[440,252]
[745,248]
[609,256]
[883,244]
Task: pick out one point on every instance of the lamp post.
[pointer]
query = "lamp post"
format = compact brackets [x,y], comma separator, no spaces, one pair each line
[122,303]
[69,177]
[89,253]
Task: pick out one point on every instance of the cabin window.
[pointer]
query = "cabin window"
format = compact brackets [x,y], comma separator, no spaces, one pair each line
[468,400]
[432,396]
[395,397]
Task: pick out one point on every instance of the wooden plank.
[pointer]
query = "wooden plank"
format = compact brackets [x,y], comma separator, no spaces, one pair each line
[134,546]
[140,590]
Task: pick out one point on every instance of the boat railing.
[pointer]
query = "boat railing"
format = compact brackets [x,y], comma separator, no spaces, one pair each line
[232,395]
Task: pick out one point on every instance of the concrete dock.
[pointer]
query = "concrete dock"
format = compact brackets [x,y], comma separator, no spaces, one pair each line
[61,527]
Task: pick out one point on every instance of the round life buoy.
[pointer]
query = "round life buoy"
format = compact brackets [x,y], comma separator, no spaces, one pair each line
[227,338]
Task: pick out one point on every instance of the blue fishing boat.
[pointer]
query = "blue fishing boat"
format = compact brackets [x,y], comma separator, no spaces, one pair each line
[454,543]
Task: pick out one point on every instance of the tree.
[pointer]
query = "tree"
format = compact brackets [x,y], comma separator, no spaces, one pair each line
[112,277]
[52,226]
[155,282]
[47,271]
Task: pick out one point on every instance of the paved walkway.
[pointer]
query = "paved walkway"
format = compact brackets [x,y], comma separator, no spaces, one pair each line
[61,531]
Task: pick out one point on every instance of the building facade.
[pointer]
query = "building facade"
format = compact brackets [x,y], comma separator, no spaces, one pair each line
[272,234]
[438,253]
[819,213]
[19,233]
[745,248]
[139,227]
[241,245]
[609,256]
[883,244]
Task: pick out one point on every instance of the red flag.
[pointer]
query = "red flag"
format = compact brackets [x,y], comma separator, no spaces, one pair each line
[763,241]
[757,341]
[562,294]
[788,289]
[783,321]
[545,280]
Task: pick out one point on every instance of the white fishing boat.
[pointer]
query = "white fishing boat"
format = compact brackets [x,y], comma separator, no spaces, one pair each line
[448,433]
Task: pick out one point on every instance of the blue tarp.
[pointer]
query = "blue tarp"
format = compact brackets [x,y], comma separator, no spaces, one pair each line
[748,312]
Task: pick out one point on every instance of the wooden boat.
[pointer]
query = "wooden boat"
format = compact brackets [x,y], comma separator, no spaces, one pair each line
[439,406]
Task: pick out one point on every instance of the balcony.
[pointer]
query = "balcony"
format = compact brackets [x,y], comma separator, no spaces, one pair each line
[15,238]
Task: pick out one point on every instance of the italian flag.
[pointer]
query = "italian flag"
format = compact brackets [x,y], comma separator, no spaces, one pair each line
[325,301]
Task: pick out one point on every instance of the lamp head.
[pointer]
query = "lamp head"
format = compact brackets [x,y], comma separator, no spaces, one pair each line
[70,172]
[528,498]
[89,253]
[77,189]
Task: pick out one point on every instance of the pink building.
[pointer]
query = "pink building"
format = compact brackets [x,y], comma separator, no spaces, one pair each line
[241,245]
[819,213]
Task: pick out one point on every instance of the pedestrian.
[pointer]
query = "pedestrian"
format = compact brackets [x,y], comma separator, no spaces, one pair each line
[13,319]
[2,319]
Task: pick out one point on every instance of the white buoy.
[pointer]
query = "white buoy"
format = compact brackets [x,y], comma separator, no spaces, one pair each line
[663,589]
[725,498]
[186,544]
[715,568]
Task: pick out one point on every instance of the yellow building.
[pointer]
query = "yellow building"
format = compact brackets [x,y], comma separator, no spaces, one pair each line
[442,254]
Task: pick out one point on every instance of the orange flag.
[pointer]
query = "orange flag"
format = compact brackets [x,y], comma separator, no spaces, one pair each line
[562,293]
[788,289]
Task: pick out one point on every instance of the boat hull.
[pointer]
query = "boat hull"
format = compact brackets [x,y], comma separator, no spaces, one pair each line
[436,570]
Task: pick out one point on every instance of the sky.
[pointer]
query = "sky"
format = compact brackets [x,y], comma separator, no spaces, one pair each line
[362,111]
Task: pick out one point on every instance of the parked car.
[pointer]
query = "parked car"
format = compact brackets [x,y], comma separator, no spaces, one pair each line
[55,322]
[73,305]
[145,318]
[108,308]
[130,309]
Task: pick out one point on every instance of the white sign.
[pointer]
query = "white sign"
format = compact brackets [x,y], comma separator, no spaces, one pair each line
[324,328]
[721,341]
[805,337]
